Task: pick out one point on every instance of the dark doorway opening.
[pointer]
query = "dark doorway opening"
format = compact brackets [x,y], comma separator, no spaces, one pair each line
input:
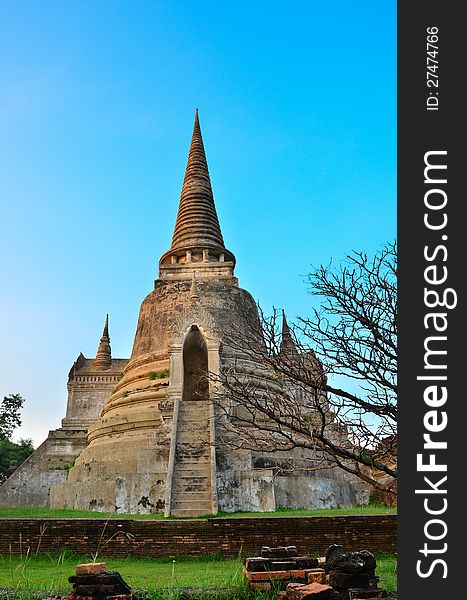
[195,366]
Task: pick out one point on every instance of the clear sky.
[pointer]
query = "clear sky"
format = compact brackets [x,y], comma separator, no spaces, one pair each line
[297,104]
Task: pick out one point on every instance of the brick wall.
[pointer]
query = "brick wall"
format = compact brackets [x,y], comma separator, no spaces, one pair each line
[196,537]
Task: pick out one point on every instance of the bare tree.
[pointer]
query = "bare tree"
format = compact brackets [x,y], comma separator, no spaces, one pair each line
[327,384]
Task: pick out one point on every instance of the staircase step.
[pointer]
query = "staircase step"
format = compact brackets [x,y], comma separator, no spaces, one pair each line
[186,482]
[198,431]
[184,493]
[191,512]
[190,487]
[193,455]
[201,467]
[201,416]
[203,505]
[191,441]
[196,477]
[192,499]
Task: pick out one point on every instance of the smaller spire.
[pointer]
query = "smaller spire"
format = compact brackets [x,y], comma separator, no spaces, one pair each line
[106,327]
[287,341]
[194,287]
[104,353]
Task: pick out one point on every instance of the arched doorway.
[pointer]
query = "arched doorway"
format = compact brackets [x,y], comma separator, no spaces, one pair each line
[195,367]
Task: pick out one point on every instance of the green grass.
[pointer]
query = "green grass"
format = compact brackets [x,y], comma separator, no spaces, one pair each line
[50,573]
[371,509]
[49,513]
[386,569]
[45,572]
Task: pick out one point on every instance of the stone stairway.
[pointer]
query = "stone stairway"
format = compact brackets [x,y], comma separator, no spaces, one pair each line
[191,479]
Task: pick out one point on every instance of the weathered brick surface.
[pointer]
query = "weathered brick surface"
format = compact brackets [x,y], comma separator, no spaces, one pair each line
[91,568]
[312,590]
[197,537]
[316,576]
[268,575]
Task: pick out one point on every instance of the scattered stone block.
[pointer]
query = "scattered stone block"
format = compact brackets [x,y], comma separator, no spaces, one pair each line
[278,552]
[344,581]
[282,565]
[258,564]
[91,568]
[266,575]
[311,591]
[100,586]
[337,559]
[291,551]
[298,574]
[316,576]
[305,562]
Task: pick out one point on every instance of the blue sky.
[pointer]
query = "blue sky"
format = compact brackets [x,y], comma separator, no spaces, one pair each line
[297,105]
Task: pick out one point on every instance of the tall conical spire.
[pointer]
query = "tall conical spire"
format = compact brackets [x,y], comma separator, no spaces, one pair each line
[104,353]
[197,234]
[287,342]
[197,222]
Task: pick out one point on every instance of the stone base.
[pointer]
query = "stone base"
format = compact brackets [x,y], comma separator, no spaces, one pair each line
[47,466]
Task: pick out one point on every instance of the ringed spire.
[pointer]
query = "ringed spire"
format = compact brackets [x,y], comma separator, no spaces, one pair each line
[197,235]
[104,353]
[197,221]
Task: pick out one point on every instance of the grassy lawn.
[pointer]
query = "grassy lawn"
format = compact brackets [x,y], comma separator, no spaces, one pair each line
[50,573]
[44,513]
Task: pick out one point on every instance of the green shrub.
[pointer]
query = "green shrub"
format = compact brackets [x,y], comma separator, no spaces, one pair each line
[158,374]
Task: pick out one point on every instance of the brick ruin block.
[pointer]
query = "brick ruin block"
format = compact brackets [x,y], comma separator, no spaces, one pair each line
[345,576]
[344,581]
[279,559]
[258,564]
[94,581]
[91,568]
[316,576]
[338,560]
[267,575]
[295,575]
[311,591]
[277,553]
[351,570]
[305,562]
[282,565]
